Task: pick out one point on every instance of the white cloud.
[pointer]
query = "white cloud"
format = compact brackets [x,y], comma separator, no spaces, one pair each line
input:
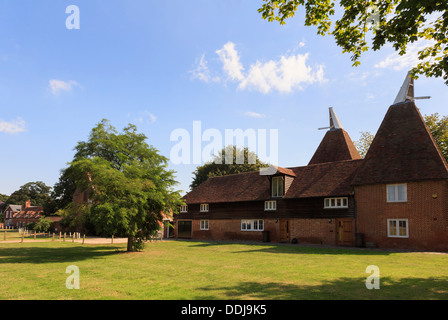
[405,62]
[284,75]
[56,86]
[231,61]
[254,114]
[202,72]
[12,127]
[290,72]
[152,117]
[145,115]
[362,78]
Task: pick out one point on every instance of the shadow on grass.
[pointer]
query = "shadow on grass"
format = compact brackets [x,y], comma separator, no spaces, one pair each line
[293,249]
[64,254]
[341,289]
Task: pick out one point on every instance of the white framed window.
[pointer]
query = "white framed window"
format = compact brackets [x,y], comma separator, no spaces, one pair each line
[277,186]
[332,203]
[252,225]
[397,192]
[183,208]
[204,207]
[270,205]
[204,224]
[397,228]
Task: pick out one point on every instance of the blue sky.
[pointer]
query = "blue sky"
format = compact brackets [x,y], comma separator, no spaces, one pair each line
[162,65]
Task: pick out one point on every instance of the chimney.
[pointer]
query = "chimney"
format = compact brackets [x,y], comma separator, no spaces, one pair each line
[27,204]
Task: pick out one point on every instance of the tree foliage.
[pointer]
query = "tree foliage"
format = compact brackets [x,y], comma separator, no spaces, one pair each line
[43,225]
[364,142]
[438,125]
[399,22]
[223,164]
[3,197]
[129,183]
[62,194]
[37,192]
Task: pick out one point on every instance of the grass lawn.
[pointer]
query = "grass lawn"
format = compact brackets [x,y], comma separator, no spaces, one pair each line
[206,270]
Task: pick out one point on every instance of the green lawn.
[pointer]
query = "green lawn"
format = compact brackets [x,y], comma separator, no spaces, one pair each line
[201,270]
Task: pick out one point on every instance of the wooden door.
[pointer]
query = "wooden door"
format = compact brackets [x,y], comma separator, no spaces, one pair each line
[284,230]
[184,229]
[345,232]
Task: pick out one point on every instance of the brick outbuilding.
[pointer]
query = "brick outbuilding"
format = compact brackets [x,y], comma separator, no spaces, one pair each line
[396,197]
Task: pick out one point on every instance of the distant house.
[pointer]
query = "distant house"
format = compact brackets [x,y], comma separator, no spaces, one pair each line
[396,197]
[9,212]
[20,215]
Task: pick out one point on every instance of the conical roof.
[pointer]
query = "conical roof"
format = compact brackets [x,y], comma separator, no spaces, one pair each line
[336,144]
[403,150]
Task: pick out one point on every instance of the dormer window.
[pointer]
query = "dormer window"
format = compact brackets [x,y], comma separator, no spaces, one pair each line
[277,187]
[204,207]
[333,203]
[183,209]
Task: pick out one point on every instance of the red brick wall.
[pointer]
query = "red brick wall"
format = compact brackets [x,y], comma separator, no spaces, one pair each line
[315,231]
[231,230]
[319,231]
[427,217]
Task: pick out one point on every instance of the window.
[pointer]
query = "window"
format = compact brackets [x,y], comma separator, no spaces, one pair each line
[397,228]
[252,225]
[204,208]
[183,209]
[204,224]
[277,187]
[397,193]
[270,205]
[330,203]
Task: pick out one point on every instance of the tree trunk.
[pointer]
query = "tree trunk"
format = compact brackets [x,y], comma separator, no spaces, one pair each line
[130,244]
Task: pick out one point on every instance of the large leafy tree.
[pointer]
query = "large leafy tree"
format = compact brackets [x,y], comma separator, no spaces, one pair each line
[37,192]
[63,191]
[229,160]
[129,184]
[399,22]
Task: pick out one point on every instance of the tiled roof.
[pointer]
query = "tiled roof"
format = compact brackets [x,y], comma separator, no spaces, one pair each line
[15,207]
[327,179]
[30,212]
[246,186]
[403,150]
[335,146]
[286,171]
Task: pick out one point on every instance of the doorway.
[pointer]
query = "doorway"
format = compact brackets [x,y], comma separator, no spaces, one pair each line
[345,235]
[184,229]
[284,230]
